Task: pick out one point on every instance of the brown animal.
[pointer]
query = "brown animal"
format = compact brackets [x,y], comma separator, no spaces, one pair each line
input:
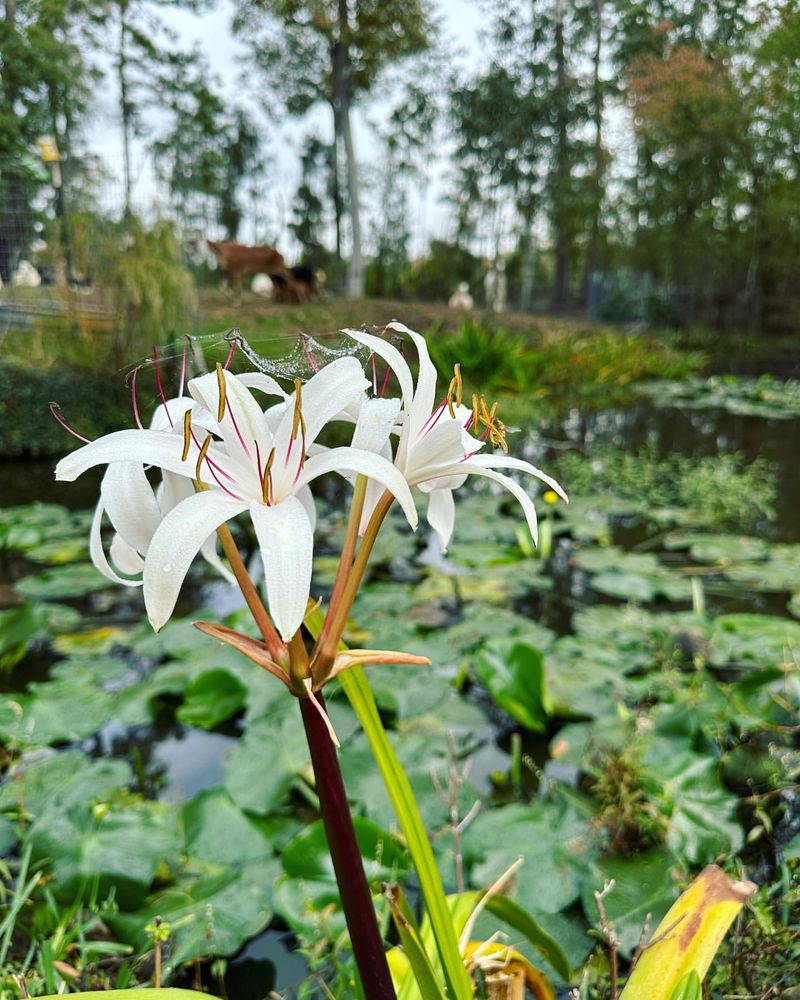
[237,261]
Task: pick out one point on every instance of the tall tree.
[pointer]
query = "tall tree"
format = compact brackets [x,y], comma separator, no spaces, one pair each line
[45,89]
[207,149]
[332,52]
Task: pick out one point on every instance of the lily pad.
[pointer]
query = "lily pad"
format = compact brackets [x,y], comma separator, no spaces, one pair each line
[632,576]
[213,910]
[271,757]
[61,582]
[514,675]
[642,886]
[122,845]
[552,837]
[211,698]
[59,782]
[754,640]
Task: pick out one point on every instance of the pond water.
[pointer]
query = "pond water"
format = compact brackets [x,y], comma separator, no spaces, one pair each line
[175,762]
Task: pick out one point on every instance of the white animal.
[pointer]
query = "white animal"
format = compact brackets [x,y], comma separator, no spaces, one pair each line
[461,299]
[26,276]
[262,285]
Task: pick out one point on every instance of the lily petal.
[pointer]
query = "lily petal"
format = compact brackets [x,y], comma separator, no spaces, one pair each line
[511,485]
[441,446]
[263,383]
[286,541]
[364,463]
[242,425]
[442,515]
[97,553]
[130,503]
[425,392]
[177,407]
[306,498]
[146,448]
[376,420]
[175,545]
[126,559]
[393,358]
[508,462]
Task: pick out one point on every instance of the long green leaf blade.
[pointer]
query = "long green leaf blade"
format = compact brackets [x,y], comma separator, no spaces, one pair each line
[356,687]
[398,787]
[421,967]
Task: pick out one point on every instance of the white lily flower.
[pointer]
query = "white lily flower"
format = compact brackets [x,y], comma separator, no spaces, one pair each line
[136,510]
[436,450]
[244,460]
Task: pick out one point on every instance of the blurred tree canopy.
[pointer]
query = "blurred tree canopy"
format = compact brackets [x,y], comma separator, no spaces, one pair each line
[637,158]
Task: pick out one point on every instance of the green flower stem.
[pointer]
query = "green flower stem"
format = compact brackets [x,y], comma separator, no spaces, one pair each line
[343,570]
[356,686]
[328,647]
[354,892]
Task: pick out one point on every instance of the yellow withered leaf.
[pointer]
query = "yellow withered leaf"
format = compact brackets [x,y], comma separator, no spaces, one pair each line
[507,974]
[688,937]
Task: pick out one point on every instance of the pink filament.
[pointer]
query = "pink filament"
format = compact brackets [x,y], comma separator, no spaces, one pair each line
[54,408]
[311,359]
[231,353]
[385,382]
[433,419]
[236,428]
[161,388]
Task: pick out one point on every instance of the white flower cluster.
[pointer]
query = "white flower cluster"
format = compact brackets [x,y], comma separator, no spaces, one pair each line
[221,454]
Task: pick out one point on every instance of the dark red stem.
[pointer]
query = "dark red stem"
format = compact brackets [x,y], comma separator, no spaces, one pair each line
[359,911]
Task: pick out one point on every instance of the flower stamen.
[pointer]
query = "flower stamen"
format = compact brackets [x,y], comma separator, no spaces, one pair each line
[161,387]
[54,409]
[200,458]
[454,390]
[495,429]
[187,434]
[266,481]
[222,392]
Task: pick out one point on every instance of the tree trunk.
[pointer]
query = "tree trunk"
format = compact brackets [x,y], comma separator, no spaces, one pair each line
[335,182]
[341,86]
[561,278]
[593,247]
[125,110]
[528,270]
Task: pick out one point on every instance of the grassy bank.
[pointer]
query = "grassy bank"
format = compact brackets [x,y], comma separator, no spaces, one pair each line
[544,358]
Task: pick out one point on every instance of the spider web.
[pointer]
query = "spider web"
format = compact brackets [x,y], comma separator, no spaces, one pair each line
[306,357]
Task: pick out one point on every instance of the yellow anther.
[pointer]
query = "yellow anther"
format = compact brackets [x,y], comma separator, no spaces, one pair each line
[475,411]
[298,420]
[496,429]
[202,455]
[454,390]
[222,391]
[187,434]
[266,491]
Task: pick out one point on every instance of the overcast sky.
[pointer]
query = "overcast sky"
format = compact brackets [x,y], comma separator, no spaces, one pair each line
[460,23]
